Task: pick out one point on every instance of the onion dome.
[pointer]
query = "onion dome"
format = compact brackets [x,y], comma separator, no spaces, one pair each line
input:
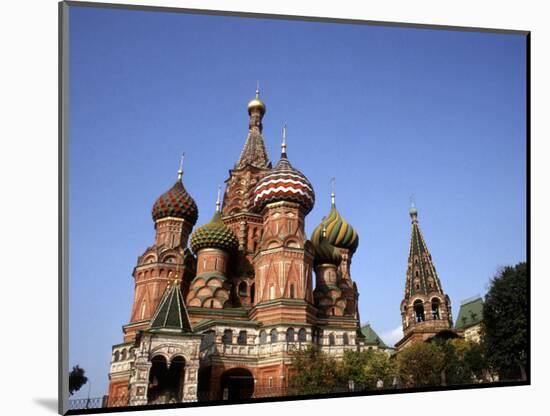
[214,234]
[324,252]
[339,232]
[176,202]
[256,103]
[284,183]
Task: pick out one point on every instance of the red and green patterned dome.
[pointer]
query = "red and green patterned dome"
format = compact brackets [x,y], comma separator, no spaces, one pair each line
[176,202]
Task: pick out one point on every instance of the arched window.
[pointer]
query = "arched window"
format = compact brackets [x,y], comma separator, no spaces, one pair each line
[290,335]
[263,337]
[123,355]
[117,357]
[419,311]
[291,291]
[331,339]
[302,335]
[273,335]
[252,288]
[346,338]
[241,339]
[227,336]
[435,308]
[243,289]
[271,292]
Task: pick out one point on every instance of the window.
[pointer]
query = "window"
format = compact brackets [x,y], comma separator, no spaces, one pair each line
[331,339]
[117,357]
[419,311]
[302,335]
[252,288]
[435,308]
[227,336]
[292,291]
[241,339]
[123,355]
[270,382]
[271,292]
[273,335]
[290,335]
[243,289]
[346,338]
[263,337]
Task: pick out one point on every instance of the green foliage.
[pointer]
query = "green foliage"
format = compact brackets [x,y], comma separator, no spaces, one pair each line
[315,372]
[505,322]
[76,379]
[365,368]
[421,365]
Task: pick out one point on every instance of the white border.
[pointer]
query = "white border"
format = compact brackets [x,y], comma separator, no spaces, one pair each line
[28,163]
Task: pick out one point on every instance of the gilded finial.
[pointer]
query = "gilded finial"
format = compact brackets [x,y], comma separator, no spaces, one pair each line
[257,89]
[180,170]
[218,199]
[283,144]
[324,231]
[412,210]
[332,193]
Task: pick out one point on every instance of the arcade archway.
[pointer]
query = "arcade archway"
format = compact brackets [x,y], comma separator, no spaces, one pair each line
[166,381]
[237,384]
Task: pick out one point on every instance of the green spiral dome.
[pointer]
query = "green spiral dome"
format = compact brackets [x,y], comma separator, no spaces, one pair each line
[339,232]
[325,252]
[214,234]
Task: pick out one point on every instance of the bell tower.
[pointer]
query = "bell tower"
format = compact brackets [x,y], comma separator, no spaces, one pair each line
[425,308]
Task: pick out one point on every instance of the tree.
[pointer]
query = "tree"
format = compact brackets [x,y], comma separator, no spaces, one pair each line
[314,372]
[76,379]
[421,365]
[366,368]
[505,322]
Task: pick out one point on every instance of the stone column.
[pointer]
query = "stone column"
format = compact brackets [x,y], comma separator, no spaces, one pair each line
[139,382]
[189,393]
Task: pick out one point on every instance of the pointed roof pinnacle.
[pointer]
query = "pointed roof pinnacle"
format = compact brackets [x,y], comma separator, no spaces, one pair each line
[257,89]
[283,143]
[413,212]
[333,193]
[218,199]
[180,170]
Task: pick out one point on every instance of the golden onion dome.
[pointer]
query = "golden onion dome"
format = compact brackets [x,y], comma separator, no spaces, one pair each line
[256,103]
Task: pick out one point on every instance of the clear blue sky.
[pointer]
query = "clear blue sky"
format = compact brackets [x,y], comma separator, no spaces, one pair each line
[389,112]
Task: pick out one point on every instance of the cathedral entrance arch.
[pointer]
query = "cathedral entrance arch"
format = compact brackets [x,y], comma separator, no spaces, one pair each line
[166,380]
[237,384]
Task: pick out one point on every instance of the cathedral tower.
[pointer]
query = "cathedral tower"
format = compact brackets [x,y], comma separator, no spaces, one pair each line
[174,213]
[284,262]
[238,202]
[425,309]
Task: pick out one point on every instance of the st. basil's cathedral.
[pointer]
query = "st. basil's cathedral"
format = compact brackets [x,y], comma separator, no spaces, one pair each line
[218,310]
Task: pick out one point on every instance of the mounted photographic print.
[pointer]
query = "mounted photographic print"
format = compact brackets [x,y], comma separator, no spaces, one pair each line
[264,208]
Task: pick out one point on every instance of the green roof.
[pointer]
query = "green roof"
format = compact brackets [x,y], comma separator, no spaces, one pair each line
[372,337]
[470,313]
[171,313]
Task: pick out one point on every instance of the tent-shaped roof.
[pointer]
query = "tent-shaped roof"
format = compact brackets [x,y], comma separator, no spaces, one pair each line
[171,314]
[470,313]
[372,337]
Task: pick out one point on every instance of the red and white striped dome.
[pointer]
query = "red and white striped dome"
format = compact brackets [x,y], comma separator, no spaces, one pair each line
[284,183]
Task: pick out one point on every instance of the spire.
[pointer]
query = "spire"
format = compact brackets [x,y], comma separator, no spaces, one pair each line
[421,271]
[180,170]
[413,212]
[171,314]
[283,143]
[254,152]
[218,199]
[333,194]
